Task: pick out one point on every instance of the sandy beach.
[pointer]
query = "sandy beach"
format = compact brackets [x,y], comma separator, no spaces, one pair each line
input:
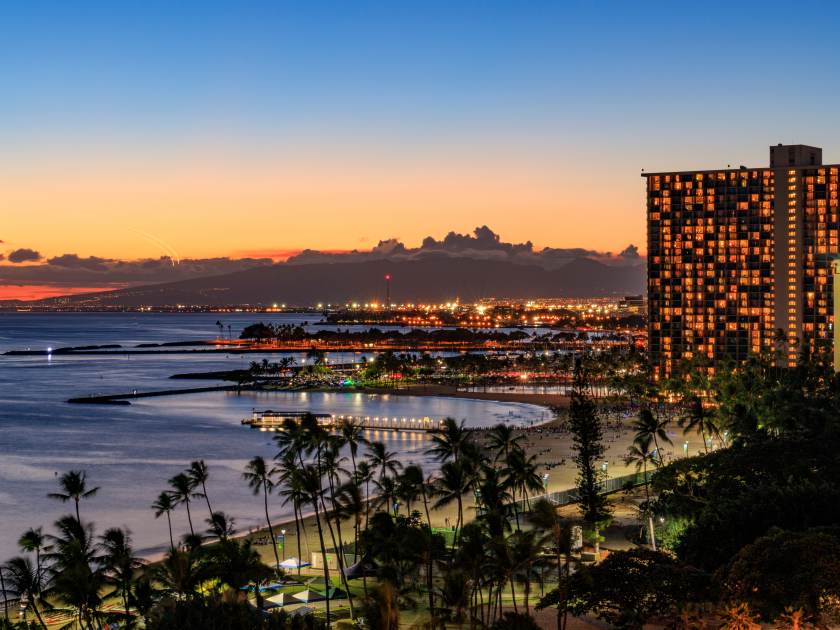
[549,442]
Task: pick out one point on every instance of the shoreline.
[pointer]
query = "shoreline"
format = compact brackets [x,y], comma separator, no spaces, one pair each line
[550,401]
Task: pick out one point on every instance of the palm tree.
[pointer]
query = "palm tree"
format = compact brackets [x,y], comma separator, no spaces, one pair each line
[74,486]
[237,564]
[165,504]
[386,488]
[120,565]
[382,459]
[78,576]
[697,418]
[353,435]
[545,518]
[182,492]
[363,476]
[526,555]
[220,525]
[352,506]
[410,485]
[259,480]
[452,484]
[32,541]
[5,593]
[450,441]
[292,491]
[181,572]
[311,484]
[649,428]
[142,597]
[495,501]
[331,464]
[502,439]
[522,476]
[639,453]
[23,580]
[199,473]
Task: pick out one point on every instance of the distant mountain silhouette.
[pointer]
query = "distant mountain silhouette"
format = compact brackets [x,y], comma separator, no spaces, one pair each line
[430,279]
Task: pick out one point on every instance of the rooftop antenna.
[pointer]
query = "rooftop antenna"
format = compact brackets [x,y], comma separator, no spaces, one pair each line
[388,291]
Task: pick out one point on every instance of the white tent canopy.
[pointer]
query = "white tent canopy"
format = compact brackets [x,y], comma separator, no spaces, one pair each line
[275,601]
[293,563]
[309,596]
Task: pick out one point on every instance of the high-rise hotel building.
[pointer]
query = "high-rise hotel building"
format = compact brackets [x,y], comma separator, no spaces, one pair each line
[739,260]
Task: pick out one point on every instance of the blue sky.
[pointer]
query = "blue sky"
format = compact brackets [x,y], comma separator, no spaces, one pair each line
[527,96]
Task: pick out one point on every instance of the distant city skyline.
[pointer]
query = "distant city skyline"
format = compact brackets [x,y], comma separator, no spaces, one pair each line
[207,130]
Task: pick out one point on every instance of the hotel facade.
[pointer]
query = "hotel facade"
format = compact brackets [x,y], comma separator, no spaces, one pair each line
[740,260]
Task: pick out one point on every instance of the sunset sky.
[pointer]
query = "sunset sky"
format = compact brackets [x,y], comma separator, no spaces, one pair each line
[136,130]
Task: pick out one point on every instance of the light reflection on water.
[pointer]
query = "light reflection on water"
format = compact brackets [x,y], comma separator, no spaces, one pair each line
[130,451]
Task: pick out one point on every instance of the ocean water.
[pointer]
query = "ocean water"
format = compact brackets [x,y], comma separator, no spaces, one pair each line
[131,451]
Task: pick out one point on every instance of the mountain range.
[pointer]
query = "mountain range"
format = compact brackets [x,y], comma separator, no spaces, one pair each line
[430,278]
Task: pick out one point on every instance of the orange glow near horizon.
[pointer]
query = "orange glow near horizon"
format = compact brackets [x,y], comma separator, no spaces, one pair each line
[215,201]
[28,292]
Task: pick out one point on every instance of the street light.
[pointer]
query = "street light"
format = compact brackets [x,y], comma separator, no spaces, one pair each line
[545,481]
[685,448]
[282,542]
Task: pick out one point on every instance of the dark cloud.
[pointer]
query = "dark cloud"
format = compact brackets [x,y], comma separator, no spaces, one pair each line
[72,261]
[483,244]
[631,251]
[72,270]
[24,254]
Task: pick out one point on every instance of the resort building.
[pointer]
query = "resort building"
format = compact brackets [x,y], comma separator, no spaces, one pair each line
[740,260]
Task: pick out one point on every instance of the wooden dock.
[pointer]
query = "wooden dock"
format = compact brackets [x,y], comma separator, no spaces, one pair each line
[270,420]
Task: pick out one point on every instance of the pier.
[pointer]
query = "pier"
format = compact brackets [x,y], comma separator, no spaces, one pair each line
[270,420]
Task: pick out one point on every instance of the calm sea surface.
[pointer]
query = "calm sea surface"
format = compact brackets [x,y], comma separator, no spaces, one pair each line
[130,451]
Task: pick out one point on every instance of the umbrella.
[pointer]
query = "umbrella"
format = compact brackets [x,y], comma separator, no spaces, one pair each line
[308,596]
[293,563]
[276,601]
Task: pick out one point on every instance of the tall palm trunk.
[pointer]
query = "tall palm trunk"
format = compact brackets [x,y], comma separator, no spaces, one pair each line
[651,532]
[460,520]
[323,556]
[189,517]
[297,534]
[513,593]
[528,591]
[206,498]
[270,528]
[169,523]
[426,504]
[5,597]
[340,546]
[367,503]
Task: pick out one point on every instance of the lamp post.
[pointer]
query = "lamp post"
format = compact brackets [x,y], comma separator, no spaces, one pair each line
[685,448]
[281,542]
